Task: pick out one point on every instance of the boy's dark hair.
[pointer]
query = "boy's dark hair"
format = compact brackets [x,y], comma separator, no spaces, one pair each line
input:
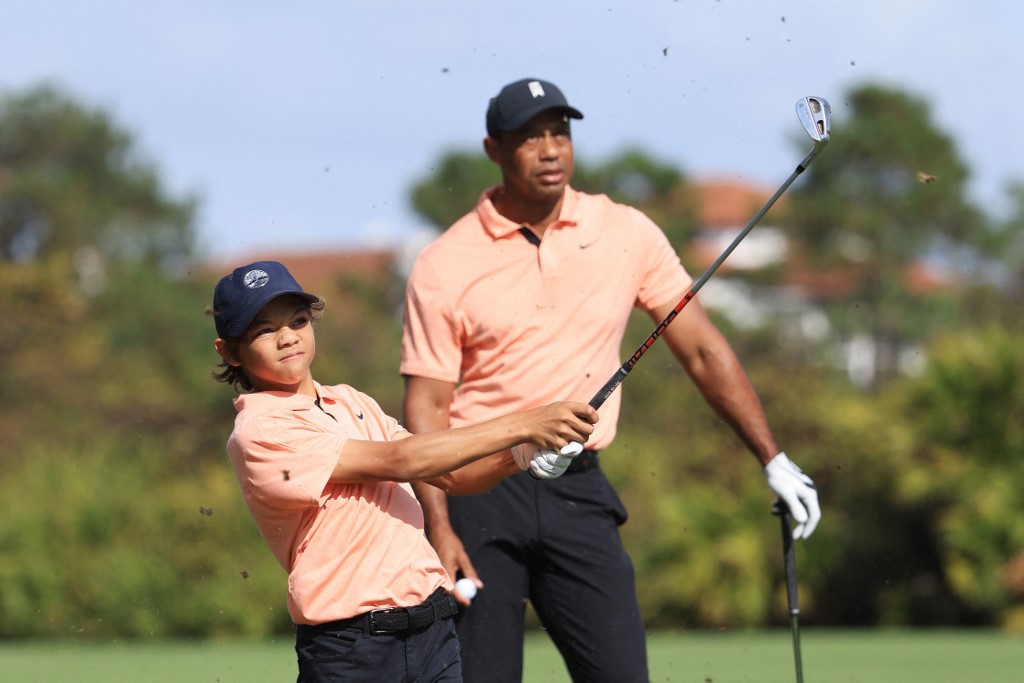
[234,375]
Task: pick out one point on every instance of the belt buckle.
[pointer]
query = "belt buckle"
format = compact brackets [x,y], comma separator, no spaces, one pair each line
[372,624]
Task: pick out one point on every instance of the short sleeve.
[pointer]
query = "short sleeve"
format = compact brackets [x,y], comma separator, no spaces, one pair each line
[431,342]
[286,463]
[665,280]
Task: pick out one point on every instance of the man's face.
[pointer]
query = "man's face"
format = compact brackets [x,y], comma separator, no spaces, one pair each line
[536,159]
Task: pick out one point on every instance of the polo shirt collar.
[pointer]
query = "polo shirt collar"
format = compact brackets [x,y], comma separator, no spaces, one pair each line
[266,400]
[498,227]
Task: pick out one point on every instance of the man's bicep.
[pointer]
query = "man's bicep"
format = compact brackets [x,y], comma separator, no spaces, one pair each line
[691,334]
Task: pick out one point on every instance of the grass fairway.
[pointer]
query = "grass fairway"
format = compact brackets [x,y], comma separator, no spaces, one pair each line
[828,657]
[694,657]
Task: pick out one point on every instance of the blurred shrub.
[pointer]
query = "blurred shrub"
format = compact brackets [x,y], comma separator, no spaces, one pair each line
[124,518]
[112,542]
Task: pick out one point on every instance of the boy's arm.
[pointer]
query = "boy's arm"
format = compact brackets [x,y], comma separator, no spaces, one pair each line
[476,477]
[426,407]
[431,456]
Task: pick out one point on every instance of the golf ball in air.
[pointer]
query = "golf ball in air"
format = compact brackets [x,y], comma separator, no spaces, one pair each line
[466,588]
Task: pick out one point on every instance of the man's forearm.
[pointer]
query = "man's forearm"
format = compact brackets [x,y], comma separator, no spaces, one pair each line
[435,506]
[729,392]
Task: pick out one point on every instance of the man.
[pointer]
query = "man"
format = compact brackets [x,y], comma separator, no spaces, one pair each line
[525,298]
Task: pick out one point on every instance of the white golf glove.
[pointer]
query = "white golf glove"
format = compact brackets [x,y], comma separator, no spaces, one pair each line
[797,491]
[543,464]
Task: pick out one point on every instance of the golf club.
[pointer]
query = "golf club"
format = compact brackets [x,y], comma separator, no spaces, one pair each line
[815,115]
[789,560]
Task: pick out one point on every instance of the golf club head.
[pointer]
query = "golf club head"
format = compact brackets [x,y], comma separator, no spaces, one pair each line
[816,117]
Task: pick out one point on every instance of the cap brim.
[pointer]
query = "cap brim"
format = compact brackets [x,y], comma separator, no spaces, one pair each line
[524,117]
[237,328]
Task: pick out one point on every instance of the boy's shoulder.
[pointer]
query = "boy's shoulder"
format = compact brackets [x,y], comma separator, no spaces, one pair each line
[339,392]
[348,396]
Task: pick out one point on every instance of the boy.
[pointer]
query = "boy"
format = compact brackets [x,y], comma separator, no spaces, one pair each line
[325,475]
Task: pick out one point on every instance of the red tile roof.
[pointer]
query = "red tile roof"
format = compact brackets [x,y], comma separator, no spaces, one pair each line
[726,203]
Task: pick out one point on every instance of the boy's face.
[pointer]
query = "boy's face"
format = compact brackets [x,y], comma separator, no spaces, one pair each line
[277,349]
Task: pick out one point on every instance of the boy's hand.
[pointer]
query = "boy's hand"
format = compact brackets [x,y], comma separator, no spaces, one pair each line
[555,426]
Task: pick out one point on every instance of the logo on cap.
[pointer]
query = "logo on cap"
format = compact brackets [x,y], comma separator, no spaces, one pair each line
[255,279]
[536,89]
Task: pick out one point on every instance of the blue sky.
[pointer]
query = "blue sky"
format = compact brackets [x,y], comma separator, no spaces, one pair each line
[302,125]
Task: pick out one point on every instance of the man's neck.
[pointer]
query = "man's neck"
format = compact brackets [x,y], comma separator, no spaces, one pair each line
[537,215]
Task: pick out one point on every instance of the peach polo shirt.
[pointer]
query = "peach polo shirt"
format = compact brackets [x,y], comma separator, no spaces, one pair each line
[348,548]
[517,325]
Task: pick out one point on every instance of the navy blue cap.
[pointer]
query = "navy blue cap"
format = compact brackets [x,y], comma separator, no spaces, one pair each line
[519,102]
[240,295]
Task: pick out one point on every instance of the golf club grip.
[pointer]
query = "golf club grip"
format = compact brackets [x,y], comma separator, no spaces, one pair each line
[789,558]
[604,392]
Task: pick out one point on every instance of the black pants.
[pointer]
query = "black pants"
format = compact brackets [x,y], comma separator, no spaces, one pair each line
[352,653]
[557,544]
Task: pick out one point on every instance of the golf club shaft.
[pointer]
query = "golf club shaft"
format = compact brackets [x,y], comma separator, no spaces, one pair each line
[789,560]
[604,392]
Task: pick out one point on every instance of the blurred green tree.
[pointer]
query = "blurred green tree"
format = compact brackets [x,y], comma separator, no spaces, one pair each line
[72,183]
[453,187]
[969,465]
[886,198]
[113,461]
[88,236]
[1005,251]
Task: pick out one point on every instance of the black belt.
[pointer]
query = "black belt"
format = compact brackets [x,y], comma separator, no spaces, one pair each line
[587,460]
[440,605]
